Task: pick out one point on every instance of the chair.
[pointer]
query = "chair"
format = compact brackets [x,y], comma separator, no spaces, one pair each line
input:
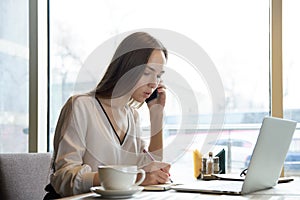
[23,176]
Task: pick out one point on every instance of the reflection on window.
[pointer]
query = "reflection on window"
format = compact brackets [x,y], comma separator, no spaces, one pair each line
[235,35]
[14,76]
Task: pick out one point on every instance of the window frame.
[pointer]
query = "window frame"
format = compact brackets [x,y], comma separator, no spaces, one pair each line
[38,76]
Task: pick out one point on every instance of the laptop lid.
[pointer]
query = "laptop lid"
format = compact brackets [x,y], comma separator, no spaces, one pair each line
[265,165]
[269,154]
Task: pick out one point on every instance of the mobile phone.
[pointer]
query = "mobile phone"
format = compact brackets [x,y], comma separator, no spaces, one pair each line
[152,96]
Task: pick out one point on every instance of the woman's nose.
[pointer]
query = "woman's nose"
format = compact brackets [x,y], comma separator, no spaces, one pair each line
[154,80]
[153,85]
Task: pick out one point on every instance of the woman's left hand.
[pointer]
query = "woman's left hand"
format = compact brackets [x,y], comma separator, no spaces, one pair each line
[161,97]
[156,110]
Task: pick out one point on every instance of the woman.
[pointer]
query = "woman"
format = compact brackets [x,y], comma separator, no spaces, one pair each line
[102,127]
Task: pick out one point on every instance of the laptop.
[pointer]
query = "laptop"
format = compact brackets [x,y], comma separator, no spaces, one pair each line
[265,166]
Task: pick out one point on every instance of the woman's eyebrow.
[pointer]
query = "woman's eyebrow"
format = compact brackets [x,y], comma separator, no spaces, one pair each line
[153,69]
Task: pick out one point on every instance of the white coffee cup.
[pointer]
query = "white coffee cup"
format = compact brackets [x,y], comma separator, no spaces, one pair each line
[120,177]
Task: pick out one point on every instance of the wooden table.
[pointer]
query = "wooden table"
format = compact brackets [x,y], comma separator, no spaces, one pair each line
[283,191]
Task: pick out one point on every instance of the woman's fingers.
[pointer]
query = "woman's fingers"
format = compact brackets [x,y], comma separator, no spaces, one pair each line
[166,167]
[156,165]
[161,88]
[162,177]
[157,172]
[156,177]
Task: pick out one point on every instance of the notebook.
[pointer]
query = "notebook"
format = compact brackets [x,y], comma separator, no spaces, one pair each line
[265,166]
[159,187]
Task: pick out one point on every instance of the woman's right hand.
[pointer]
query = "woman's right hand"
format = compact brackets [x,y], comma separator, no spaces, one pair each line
[157,173]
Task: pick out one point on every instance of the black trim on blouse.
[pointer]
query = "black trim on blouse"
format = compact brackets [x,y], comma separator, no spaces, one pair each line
[121,142]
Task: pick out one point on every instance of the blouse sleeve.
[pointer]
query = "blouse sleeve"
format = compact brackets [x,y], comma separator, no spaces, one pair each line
[71,175]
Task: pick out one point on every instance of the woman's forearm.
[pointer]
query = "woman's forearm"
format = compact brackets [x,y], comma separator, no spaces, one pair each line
[156,140]
[156,145]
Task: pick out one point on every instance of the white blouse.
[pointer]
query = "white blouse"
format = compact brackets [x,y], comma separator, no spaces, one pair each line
[89,141]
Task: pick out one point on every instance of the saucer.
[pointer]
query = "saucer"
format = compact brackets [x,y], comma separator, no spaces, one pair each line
[113,194]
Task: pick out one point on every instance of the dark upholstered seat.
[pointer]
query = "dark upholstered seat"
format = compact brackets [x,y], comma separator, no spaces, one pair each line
[24,175]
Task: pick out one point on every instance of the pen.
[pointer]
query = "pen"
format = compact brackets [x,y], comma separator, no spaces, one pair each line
[152,158]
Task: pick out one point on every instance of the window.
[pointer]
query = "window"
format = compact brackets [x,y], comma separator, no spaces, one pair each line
[234,38]
[291,70]
[14,79]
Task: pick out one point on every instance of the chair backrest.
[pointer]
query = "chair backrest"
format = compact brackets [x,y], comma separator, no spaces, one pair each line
[24,175]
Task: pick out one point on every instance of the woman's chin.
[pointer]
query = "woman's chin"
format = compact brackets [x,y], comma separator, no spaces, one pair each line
[140,100]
